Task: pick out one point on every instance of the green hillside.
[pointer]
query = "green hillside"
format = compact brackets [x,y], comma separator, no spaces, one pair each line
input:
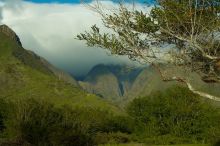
[120,85]
[22,74]
[41,106]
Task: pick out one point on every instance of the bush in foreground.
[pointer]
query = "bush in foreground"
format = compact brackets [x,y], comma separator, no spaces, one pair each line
[41,123]
[175,116]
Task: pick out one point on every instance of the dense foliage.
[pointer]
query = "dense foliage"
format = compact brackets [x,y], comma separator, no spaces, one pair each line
[38,122]
[174,116]
[181,33]
[38,109]
[190,25]
[2,114]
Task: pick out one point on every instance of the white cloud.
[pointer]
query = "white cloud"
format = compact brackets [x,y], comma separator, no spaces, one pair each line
[49,30]
[12,4]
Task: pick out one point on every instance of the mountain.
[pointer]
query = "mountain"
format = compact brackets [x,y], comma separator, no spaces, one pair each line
[4,29]
[121,84]
[33,60]
[111,82]
[23,74]
[148,81]
[102,82]
[59,73]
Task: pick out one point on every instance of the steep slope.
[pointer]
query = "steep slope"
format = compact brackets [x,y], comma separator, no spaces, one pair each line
[59,73]
[149,81]
[23,74]
[121,84]
[102,82]
[111,82]
[31,59]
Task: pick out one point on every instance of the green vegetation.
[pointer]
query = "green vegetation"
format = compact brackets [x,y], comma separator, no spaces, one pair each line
[39,109]
[22,78]
[175,33]
[175,116]
[133,144]
[39,122]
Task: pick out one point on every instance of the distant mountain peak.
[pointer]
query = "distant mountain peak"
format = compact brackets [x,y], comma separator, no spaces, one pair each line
[10,33]
[111,81]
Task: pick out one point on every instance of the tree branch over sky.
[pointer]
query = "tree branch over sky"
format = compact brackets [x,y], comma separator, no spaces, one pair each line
[190,29]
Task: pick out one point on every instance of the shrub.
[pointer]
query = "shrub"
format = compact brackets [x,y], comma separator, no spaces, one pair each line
[73,129]
[114,123]
[176,112]
[33,121]
[38,122]
[3,114]
[112,138]
[217,143]
[167,140]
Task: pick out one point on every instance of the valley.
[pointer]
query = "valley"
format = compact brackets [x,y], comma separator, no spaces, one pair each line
[42,105]
[120,84]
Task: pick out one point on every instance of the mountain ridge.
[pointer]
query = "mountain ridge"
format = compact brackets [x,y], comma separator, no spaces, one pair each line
[110,81]
[23,74]
[145,81]
[33,60]
[117,83]
[10,33]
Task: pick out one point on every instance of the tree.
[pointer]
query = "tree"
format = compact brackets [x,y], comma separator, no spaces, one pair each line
[3,113]
[190,29]
[177,112]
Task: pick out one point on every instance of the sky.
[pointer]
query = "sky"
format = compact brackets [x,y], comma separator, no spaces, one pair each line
[74,1]
[49,28]
[55,1]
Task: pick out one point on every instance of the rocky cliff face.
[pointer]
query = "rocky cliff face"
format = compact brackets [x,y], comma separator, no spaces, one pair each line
[10,33]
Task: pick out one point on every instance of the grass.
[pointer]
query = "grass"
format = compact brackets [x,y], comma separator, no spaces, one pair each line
[22,75]
[154,145]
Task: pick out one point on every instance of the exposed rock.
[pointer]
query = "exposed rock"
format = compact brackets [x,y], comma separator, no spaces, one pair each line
[10,33]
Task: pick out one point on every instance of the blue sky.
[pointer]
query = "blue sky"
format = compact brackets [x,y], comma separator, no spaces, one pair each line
[55,1]
[73,1]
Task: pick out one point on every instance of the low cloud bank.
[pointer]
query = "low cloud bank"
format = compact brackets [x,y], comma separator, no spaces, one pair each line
[50,31]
